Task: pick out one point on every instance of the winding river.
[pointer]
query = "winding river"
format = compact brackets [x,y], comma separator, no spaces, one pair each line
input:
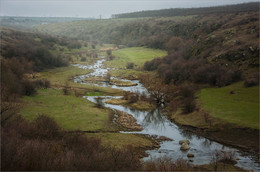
[155,123]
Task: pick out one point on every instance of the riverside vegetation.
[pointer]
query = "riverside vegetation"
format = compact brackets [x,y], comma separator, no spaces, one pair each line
[203,68]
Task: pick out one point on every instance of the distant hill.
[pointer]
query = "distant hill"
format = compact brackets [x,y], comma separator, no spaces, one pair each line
[29,22]
[253,6]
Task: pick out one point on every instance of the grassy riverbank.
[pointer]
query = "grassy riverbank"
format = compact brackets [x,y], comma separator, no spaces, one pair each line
[232,119]
[234,104]
[78,114]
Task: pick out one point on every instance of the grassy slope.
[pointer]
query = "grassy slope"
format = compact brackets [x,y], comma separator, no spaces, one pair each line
[136,55]
[241,108]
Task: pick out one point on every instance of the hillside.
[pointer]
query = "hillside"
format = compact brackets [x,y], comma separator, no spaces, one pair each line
[226,39]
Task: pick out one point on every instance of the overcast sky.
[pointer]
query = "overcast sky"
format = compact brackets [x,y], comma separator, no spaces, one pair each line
[95,8]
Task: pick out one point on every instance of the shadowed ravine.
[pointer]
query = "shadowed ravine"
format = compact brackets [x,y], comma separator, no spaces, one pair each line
[155,123]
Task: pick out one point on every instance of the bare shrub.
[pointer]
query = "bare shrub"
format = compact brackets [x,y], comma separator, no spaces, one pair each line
[166,164]
[131,97]
[130,65]
[29,88]
[99,102]
[228,157]
[187,93]
[215,159]
[110,57]
[251,81]
[83,59]
[42,83]
[46,127]
[109,52]
[188,105]
[66,89]
[108,78]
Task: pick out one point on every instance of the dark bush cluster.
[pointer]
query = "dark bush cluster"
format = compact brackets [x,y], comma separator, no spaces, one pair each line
[41,145]
[130,65]
[174,68]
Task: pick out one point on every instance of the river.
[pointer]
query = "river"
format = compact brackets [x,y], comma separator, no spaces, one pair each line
[155,123]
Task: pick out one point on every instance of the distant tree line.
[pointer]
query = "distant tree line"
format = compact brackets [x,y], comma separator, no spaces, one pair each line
[253,6]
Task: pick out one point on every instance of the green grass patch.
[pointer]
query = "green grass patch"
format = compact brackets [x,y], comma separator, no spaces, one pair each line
[136,55]
[70,112]
[94,94]
[241,108]
[119,140]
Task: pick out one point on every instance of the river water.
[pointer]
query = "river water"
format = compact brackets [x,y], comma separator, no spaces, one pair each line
[155,123]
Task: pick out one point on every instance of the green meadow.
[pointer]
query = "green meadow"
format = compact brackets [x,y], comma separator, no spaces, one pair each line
[136,55]
[241,108]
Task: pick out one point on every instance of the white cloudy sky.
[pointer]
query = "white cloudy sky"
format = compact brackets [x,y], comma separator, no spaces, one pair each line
[95,8]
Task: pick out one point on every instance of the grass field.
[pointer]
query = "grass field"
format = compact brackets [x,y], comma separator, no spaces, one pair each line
[136,55]
[70,112]
[241,108]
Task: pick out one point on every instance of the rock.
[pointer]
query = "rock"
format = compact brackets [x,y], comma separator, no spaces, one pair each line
[163,138]
[185,147]
[184,141]
[190,155]
[191,160]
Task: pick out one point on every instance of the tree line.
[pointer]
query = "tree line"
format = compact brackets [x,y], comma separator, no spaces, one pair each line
[253,6]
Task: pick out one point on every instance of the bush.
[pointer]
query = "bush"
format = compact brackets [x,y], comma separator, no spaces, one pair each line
[109,52]
[42,83]
[130,65]
[29,88]
[83,59]
[65,89]
[250,82]
[131,97]
[188,105]
[110,57]
[46,127]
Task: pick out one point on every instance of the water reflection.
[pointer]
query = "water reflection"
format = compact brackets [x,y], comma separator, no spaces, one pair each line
[155,118]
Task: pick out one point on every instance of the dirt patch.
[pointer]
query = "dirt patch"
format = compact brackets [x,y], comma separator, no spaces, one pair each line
[128,121]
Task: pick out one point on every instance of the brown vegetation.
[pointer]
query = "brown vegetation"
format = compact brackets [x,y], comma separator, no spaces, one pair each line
[128,121]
